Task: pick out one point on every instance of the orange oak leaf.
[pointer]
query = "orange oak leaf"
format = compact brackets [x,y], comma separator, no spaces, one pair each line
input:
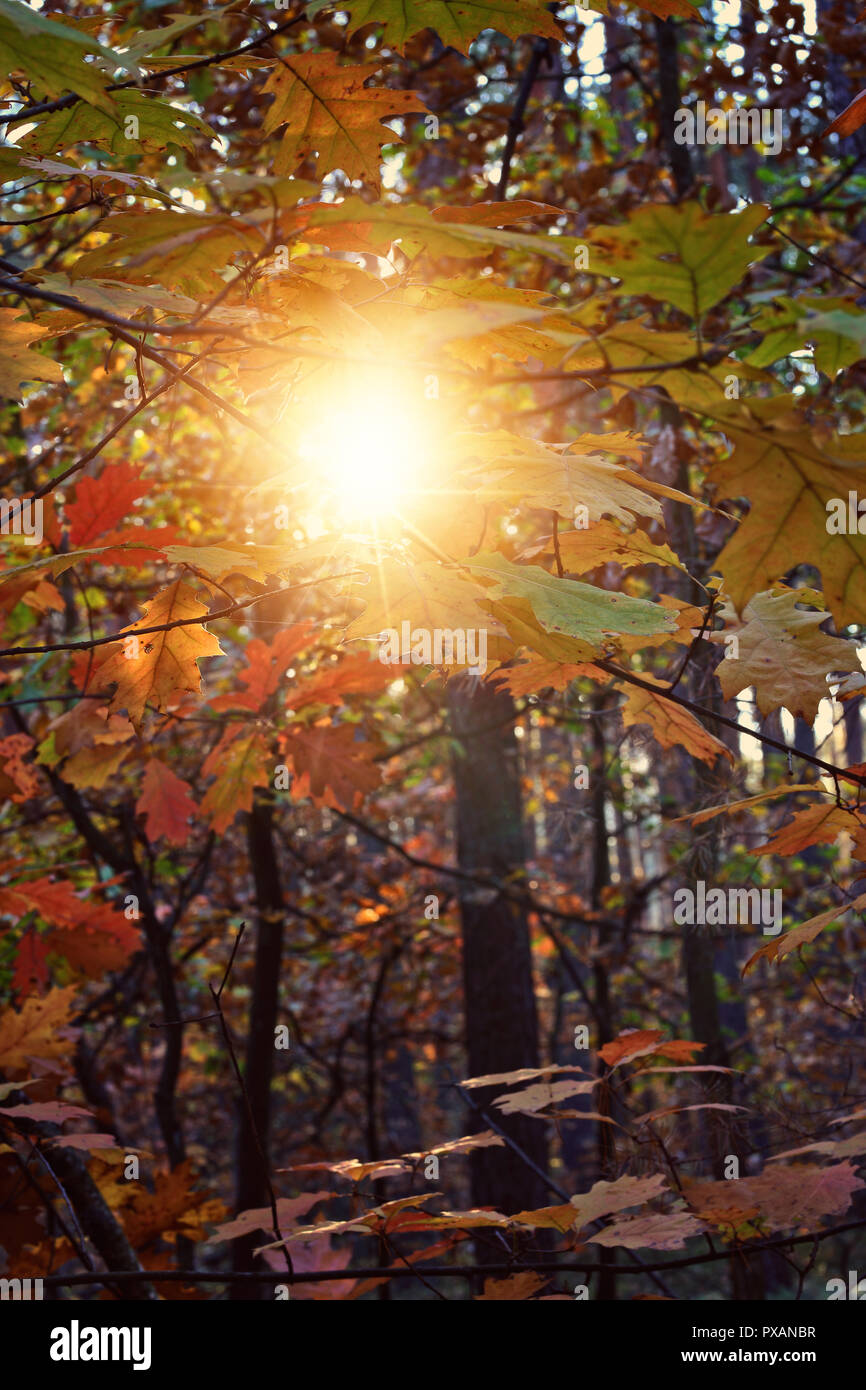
[327,111]
[267,663]
[159,666]
[671,724]
[816,825]
[18,362]
[40,1029]
[240,762]
[331,765]
[166,804]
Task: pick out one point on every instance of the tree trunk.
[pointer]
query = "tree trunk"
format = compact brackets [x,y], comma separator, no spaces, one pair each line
[499,999]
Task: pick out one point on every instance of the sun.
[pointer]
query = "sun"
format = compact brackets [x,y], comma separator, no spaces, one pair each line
[370,451]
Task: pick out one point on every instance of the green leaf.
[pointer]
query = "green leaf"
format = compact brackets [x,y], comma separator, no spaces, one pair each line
[568,607]
[679,255]
[52,55]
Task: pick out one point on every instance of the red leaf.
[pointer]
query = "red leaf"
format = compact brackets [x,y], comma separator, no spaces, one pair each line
[101,502]
[166,804]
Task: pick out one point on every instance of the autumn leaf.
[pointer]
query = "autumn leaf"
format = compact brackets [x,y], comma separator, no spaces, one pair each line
[53,55]
[816,825]
[166,803]
[606,1198]
[456,25]
[241,761]
[779,1198]
[331,765]
[39,1030]
[18,363]
[99,503]
[679,254]
[671,725]
[327,111]
[653,1232]
[166,662]
[789,479]
[784,655]
[628,1046]
[588,617]
[849,120]
[267,662]
[792,940]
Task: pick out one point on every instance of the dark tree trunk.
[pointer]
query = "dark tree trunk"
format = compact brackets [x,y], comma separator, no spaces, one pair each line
[499,999]
[251,1184]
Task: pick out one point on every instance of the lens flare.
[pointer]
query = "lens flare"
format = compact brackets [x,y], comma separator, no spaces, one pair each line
[371,453]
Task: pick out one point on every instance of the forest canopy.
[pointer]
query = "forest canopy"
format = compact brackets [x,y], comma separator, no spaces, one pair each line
[433,592]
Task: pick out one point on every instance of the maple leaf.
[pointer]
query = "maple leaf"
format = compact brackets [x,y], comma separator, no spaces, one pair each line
[638,1043]
[17,362]
[241,761]
[537,1097]
[653,1232]
[605,1198]
[165,666]
[53,1112]
[456,24]
[782,1197]
[670,723]
[331,765]
[166,804]
[784,655]
[329,112]
[262,1218]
